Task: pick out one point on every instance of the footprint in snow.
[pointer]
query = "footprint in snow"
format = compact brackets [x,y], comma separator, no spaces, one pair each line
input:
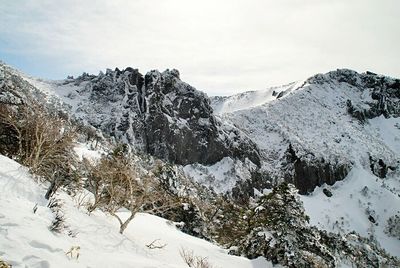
[30,257]
[38,264]
[9,224]
[37,244]
[35,261]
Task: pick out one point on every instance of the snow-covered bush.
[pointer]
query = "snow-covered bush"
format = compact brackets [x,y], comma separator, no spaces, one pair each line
[58,224]
[393,226]
[276,227]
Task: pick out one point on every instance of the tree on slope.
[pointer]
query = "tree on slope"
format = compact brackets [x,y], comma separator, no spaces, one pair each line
[117,182]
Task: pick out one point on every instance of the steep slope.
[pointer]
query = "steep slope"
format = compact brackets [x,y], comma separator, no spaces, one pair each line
[26,241]
[361,203]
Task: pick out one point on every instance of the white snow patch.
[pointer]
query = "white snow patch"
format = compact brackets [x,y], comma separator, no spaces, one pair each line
[222,176]
[84,150]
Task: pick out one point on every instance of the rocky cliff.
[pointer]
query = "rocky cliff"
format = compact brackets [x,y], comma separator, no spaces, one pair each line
[157,114]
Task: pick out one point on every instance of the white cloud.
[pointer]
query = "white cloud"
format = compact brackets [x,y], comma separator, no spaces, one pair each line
[219,46]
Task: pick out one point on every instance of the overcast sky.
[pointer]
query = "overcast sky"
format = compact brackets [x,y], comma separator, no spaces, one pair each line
[220,47]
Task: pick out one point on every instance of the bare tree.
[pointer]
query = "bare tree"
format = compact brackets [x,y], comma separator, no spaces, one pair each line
[40,140]
[43,139]
[118,182]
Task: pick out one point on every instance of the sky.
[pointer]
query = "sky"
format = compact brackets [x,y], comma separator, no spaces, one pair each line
[221,47]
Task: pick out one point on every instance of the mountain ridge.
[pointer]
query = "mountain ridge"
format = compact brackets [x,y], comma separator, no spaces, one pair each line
[335,136]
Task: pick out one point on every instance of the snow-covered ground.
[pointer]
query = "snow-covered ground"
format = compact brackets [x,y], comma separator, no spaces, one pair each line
[222,176]
[26,241]
[359,195]
[87,151]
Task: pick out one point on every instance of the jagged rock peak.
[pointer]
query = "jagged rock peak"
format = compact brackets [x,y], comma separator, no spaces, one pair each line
[161,115]
[363,80]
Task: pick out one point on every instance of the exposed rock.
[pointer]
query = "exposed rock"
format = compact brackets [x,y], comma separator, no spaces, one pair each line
[371,219]
[384,91]
[178,116]
[280,95]
[243,190]
[307,174]
[379,168]
[161,115]
[327,192]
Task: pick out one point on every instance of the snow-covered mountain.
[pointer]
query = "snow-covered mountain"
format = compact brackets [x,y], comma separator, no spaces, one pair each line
[315,131]
[335,136]
[250,99]
[337,126]
[156,113]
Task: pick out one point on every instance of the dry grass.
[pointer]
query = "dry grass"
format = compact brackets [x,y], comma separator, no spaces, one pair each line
[194,261]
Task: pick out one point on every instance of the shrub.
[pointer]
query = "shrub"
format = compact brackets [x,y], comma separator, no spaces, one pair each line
[194,261]
[58,224]
[117,181]
[39,140]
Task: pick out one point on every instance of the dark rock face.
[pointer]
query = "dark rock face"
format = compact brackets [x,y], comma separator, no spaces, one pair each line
[163,116]
[245,189]
[371,219]
[307,174]
[180,125]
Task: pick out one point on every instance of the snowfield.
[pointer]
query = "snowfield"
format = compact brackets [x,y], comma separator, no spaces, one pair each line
[26,241]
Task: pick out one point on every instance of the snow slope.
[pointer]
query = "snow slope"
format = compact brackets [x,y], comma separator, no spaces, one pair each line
[354,199]
[251,99]
[26,241]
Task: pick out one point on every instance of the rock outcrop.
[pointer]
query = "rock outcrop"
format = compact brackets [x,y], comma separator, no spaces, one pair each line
[160,115]
[308,173]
